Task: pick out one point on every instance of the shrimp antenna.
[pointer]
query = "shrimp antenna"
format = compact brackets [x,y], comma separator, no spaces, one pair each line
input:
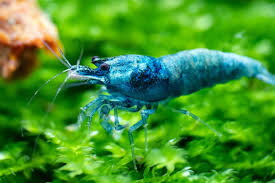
[63,56]
[62,61]
[80,57]
[57,92]
[52,102]
[36,92]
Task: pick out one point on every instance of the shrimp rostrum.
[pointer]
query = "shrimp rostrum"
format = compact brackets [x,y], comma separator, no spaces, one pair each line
[139,83]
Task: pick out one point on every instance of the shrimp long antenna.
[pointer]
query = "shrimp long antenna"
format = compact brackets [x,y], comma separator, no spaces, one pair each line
[58,91]
[45,115]
[62,61]
[36,92]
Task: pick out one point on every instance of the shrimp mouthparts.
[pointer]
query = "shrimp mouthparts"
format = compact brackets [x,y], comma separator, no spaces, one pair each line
[85,73]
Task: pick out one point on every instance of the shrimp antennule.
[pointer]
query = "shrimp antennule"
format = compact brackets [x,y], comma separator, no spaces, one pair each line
[65,61]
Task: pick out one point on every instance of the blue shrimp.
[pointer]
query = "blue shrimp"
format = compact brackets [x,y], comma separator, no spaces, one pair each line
[139,83]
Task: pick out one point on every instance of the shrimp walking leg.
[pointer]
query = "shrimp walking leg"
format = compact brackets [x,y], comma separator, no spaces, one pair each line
[118,126]
[106,125]
[91,108]
[146,137]
[188,113]
[104,114]
[144,116]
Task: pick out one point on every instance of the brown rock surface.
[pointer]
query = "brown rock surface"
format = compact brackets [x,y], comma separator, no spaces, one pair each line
[23,29]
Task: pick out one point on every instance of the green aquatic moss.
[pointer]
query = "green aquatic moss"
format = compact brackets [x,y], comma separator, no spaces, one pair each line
[36,146]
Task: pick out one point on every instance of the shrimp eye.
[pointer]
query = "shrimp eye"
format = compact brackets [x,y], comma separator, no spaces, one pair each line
[104,67]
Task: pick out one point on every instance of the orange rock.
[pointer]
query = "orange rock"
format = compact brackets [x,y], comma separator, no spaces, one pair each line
[23,29]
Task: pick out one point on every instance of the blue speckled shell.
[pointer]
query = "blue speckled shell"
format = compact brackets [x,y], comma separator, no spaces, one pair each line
[151,79]
[193,70]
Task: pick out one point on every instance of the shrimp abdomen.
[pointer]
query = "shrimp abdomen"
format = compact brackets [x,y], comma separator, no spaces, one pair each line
[193,70]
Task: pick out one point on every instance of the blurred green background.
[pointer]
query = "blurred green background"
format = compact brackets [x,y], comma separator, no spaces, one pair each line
[35,148]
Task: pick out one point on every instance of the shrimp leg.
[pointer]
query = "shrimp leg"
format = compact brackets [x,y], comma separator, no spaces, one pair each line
[118,126]
[104,114]
[144,116]
[91,108]
[188,113]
